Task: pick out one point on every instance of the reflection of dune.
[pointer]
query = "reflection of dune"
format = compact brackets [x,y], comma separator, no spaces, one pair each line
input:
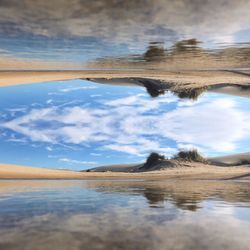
[184,194]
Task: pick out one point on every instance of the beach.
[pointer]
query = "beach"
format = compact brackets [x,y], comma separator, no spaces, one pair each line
[190,171]
[192,78]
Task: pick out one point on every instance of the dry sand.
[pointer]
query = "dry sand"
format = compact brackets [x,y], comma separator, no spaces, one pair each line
[232,90]
[187,171]
[230,159]
[192,78]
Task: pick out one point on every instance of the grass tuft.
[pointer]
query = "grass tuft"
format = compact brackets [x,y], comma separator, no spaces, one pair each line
[190,155]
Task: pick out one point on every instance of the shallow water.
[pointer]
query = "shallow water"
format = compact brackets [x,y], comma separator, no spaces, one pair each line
[124,215]
[81,34]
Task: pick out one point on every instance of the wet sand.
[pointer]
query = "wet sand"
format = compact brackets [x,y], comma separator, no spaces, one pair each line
[196,171]
[191,78]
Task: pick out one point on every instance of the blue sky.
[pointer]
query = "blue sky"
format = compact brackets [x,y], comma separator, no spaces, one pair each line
[79,124]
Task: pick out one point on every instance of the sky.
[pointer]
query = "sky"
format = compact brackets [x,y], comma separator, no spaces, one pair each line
[79,124]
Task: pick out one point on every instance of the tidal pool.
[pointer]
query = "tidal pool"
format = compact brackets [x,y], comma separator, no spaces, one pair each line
[132,214]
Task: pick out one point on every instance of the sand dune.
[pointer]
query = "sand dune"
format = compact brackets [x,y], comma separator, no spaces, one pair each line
[235,159]
[195,78]
[231,90]
[116,168]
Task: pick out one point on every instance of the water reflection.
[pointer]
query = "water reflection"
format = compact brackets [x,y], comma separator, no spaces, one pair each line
[101,34]
[109,214]
[183,55]
[185,195]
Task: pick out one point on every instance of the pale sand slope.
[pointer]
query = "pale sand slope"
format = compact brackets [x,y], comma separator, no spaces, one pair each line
[194,78]
[117,168]
[13,171]
[230,159]
[232,90]
[189,171]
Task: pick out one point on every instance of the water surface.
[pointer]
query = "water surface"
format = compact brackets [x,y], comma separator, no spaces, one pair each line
[105,34]
[124,215]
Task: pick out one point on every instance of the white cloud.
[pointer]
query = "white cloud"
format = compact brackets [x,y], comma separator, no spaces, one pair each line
[216,125]
[97,95]
[95,154]
[65,90]
[72,161]
[142,102]
[49,101]
[22,140]
[210,125]
[49,148]
[124,148]
[23,109]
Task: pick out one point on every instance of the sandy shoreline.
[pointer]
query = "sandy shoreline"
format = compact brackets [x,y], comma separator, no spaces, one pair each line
[194,78]
[190,171]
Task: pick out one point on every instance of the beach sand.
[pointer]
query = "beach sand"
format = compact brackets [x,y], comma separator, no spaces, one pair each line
[192,78]
[187,171]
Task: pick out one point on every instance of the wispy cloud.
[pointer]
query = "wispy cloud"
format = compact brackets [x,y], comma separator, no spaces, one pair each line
[72,161]
[65,90]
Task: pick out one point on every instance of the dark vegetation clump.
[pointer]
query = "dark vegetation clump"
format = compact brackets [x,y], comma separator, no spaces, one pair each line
[191,93]
[242,162]
[245,87]
[190,155]
[190,45]
[154,53]
[152,160]
[154,92]
[153,87]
